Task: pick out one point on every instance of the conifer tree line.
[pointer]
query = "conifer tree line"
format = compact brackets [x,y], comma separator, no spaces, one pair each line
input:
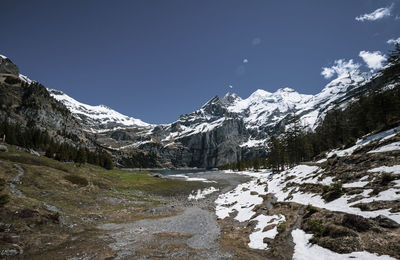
[36,139]
[376,110]
[241,165]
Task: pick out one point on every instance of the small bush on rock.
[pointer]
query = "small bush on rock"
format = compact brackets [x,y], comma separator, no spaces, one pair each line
[386,178]
[281,227]
[332,192]
[78,180]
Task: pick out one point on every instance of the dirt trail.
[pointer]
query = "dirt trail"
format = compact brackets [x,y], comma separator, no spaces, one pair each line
[17,180]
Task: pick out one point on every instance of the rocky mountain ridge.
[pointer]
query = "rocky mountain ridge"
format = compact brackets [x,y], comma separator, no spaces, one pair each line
[27,103]
[97,118]
[222,131]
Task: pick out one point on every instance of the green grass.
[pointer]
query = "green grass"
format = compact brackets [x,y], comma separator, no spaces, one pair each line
[145,182]
[46,174]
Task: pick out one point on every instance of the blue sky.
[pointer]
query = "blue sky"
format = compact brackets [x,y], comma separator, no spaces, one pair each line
[157,59]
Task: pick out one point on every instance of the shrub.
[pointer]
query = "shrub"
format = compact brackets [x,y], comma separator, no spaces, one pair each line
[335,231]
[4,199]
[78,180]
[386,178]
[311,209]
[315,226]
[27,213]
[356,222]
[281,227]
[332,192]
[314,240]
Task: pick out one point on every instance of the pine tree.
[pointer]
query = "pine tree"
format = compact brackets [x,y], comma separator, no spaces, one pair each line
[394,56]
[81,156]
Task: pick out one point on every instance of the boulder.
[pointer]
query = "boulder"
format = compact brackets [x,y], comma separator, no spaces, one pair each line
[33,152]
[3,148]
[386,222]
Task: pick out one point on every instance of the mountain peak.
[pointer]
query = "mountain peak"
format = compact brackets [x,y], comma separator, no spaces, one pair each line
[260,92]
[285,90]
[229,98]
[98,118]
[7,66]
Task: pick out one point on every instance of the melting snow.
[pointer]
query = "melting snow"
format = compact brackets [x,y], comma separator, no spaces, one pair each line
[257,237]
[363,142]
[242,199]
[277,186]
[187,178]
[303,250]
[357,184]
[390,169]
[387,148]
[201,194]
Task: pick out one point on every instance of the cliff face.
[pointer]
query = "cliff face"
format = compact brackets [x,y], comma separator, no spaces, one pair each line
[29,104]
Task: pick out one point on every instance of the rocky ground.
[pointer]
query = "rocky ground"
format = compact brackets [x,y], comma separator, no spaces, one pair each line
[345,205]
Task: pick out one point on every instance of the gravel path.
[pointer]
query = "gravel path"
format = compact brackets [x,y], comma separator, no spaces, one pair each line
[192,234]
[195,227]
[17,192]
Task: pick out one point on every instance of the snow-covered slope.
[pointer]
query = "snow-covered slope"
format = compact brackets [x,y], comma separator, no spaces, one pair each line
[97,118]
[263,108]
[359,192]
[263,112]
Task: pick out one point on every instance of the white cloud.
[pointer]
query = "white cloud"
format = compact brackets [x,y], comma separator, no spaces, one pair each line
[375,15]
[374,60]
[245,60]
[230,86]
[256,41]
[394,41]
[339,68]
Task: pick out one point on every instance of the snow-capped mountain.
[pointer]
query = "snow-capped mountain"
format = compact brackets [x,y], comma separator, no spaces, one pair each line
[230,128]
[97,118]
[263,111]
[222,130]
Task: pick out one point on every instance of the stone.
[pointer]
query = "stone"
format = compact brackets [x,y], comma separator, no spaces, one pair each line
[3,148]
[386,222]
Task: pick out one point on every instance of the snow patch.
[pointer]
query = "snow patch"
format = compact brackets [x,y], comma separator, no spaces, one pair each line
[395,169]
[187,178]
[365,141]
[277,186]
[257,237]
[387,148]
[357,184]
[303,250]
[201,194]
